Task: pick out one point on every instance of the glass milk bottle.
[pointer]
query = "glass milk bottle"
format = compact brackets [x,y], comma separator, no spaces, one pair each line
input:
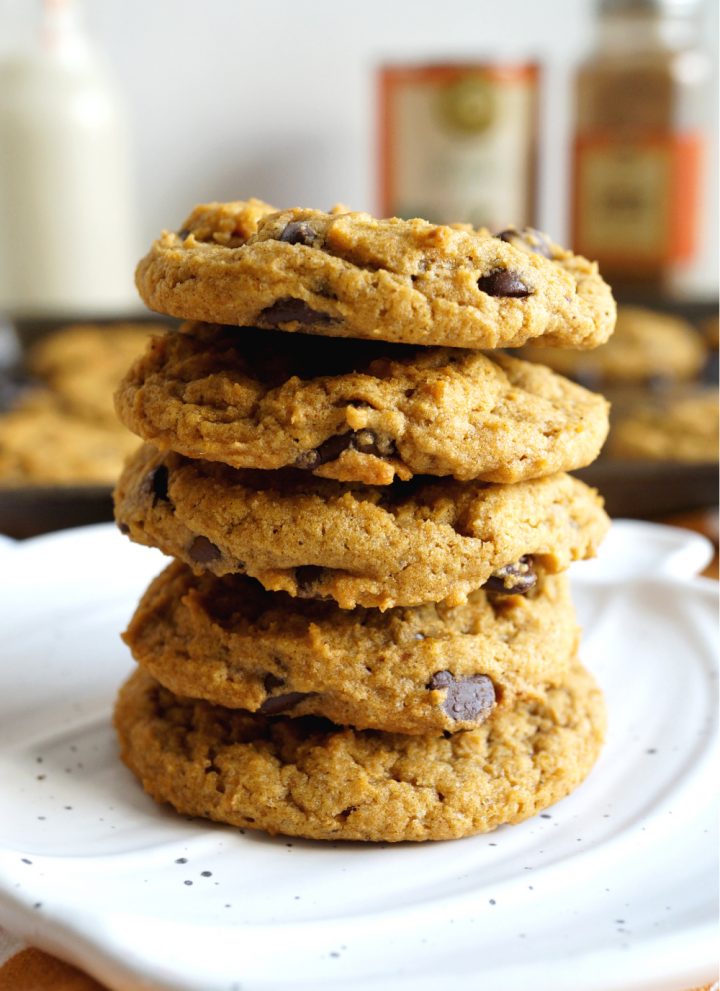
[68,241]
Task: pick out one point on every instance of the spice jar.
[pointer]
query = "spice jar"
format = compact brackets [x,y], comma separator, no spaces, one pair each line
[640,143]
[458,142]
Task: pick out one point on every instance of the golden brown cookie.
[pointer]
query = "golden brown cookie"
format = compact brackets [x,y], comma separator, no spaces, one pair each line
[425,669]
[64,431]
[42,444]
[645,347]
[679,425]
[84,363]
[307,777]
[357,411]
[352,275]
[403,544]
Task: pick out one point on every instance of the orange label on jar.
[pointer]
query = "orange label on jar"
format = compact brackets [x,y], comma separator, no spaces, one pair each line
[636,199]
[457,143]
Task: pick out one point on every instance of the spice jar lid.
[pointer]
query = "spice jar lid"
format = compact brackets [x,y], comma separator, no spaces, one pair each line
[680,7]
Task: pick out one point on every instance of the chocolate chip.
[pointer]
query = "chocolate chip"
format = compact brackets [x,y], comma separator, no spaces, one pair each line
[329,450]
[271,681]
[529,238]
[203,551]
[364,441]
[306,576]
[281,703]
[298,232]
[159,484]
[466,698]
[502,282]
[291,310]
[513,579]
[183,233]
[123,528]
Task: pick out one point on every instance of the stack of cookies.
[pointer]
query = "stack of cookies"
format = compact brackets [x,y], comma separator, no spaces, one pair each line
[366,632]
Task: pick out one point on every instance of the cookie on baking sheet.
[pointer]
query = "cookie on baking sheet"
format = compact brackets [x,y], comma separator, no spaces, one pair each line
[357,411]
[42,444]
[647,346]
[308,777]
[352,275]
[677,425]
[83,364]
[402,544]
[424,669]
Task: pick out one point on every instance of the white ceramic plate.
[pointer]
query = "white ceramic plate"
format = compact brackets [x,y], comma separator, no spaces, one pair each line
[612,888]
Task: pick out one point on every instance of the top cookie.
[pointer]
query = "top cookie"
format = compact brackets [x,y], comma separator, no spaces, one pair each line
[352,275]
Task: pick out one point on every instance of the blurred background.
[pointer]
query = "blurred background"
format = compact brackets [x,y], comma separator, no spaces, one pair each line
[594,120]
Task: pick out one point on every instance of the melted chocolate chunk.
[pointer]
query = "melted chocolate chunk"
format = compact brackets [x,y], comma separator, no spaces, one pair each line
[271,681]
[503,283]
[298,232]
[513,579]
[364,441]
[159,484]
[466,698]
[306,576]
[123,527]
[528,237]
[281,703]
[203,551]
[291,310]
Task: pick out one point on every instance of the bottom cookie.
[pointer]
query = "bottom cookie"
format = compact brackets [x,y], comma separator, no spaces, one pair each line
[308,777]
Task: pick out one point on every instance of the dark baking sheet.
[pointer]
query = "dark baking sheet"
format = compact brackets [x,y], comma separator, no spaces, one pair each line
[648,489]
[31,510]
[640,489]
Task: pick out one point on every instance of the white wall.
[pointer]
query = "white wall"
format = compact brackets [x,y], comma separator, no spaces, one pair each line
[275,98]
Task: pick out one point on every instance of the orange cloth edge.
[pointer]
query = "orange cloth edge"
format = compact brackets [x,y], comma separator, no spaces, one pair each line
[34,970]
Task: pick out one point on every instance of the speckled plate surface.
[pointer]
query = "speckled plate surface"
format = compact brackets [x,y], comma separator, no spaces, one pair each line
[612,889]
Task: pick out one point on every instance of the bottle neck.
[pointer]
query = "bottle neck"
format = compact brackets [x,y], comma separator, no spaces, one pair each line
[61,31]
[625,32]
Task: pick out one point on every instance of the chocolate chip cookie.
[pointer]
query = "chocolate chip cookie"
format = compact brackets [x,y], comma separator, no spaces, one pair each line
[308,777]
[357,411]
[403,544]
[61,427]
[42,444]
[352,275]
[425,669]
[678,425]
[83,364]
[647,346]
